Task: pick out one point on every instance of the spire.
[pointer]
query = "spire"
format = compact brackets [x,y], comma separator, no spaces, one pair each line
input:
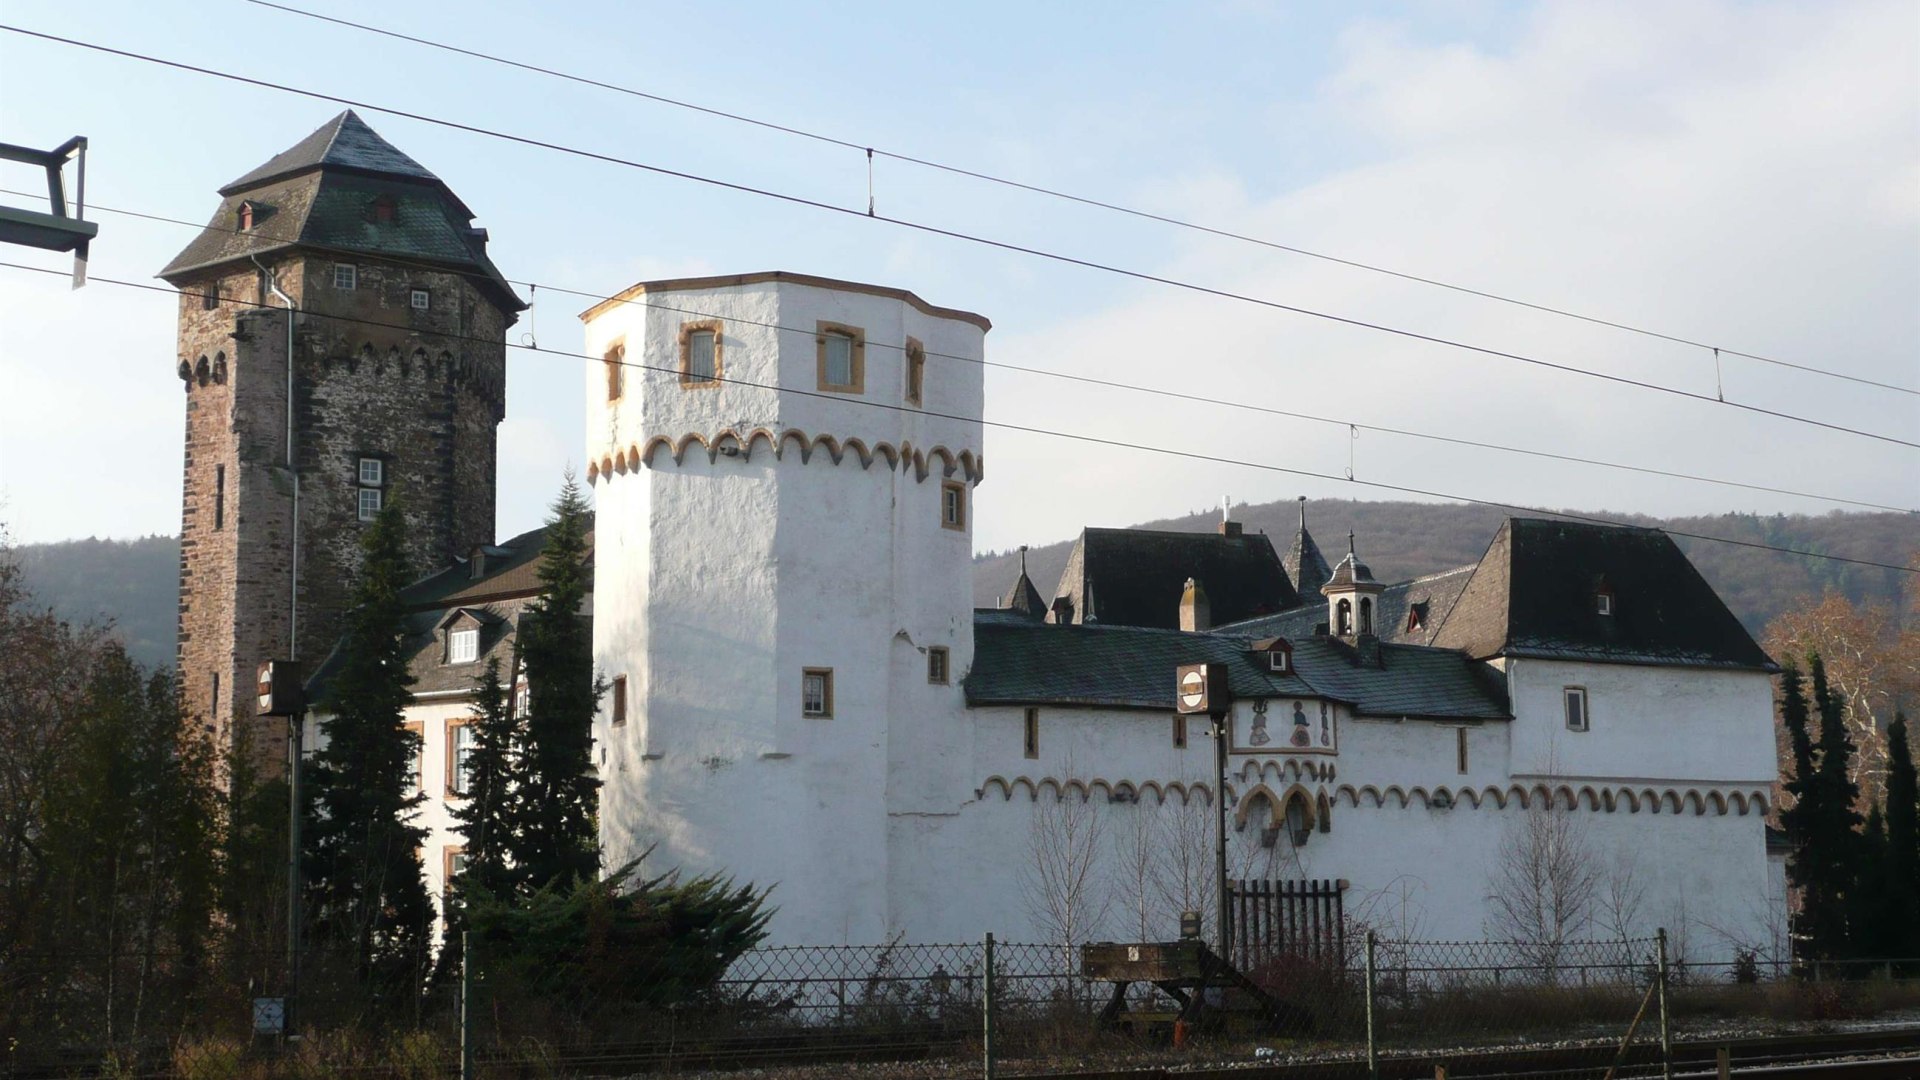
[1023,597]
[1304,563]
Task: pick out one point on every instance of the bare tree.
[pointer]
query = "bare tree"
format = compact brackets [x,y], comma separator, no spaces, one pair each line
[1545,883]
[1183,872]
[1873,666]
[1136,849]
[1062,882]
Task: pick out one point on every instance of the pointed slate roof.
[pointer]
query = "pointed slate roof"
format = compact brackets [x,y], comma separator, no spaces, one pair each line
[344,142]
[1134,577]
[318,195]
[1305,566]
[1023,597]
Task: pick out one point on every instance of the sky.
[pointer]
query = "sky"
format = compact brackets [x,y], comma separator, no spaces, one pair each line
[1746,175]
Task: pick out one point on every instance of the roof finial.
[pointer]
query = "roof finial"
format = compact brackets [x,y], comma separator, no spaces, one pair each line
[1350,553]
[1023,560]
[1302,500]
[1226,508]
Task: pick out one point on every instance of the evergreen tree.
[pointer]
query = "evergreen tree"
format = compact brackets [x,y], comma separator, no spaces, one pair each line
[1869,924]
[1903,843]
[1799,820]
[1839,828]
[366,896]
[485,817]
[556,837]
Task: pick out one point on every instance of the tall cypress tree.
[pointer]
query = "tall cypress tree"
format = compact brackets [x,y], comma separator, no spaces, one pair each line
[1903,842]
[1835,839]
[485,816]
[366,896]
[556,836]
[1799,821]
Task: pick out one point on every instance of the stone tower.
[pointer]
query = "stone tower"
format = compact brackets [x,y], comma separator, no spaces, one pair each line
[784,468]
[389,383]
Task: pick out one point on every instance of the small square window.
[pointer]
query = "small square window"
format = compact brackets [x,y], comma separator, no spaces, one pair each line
[937,664]
[1279,661]
[816,692]
[463,646]
[1030,734]
[702,345]
[619,700]
[369,503]
[841,358]
[1603,603]
[422,299]
[345,276]
[373,472]
[953,505]
[1575,698]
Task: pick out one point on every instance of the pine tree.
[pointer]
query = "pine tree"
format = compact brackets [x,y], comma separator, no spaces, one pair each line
[1799,820]
[1869,924]
[556,839]
[485,816]
[1834,839]
[1903,843]
[366,896]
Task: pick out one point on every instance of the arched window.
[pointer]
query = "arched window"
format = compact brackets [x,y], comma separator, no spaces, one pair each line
[1343,618]
[1299,820]
[1366,615]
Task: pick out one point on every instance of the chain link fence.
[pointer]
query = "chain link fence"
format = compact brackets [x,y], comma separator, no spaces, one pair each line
[904,1009]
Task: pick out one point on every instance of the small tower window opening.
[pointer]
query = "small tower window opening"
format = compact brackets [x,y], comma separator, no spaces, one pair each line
[421,299]
[816,692]
[1603,602]
[219,496]
[1460,749]
[619,700]
[1343,618]
[699,362]
[372,473]
[369,507]
[1299,821]
[459,758]
[213,699]
[842,358]
[1575,699]
[916,371]
[210,299]
[1030,733]
[345,276]
[463,646]
[1179,731]
[1366,615]
[616,364]
[953,505]
[937,664]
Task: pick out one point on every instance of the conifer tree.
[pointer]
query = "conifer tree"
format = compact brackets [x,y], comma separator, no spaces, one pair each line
[1833,840]
[1869,922]
[366,896]
[556,838]
[485,816]
[1903,843]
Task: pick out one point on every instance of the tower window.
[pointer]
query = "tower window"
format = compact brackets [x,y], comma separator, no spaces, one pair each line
[937,664]
[372,472]
[1575,699]
[1366,615]
[816,692]
[211,298]
[1603,602]
[842,358]
[701,344]
[953,505]
[1030,734]
[1179,731]
[345,276]
[1460,749]
[213,700]
[916,371]
[1343,618]
[463,646]
[369,507]
[421,299]
[219,496]
[616,362]
[619,700]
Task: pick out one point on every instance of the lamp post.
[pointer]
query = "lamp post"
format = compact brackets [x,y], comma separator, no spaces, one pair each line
[1202,689]
[281,694]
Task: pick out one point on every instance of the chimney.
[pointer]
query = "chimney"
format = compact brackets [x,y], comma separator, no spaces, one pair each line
[1230,529]
[1195,612]
[1368,648]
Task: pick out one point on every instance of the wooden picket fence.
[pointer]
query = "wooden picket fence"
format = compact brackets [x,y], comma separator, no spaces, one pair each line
[1287,920]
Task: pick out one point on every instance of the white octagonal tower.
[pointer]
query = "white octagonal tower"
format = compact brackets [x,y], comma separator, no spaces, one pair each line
[783,469]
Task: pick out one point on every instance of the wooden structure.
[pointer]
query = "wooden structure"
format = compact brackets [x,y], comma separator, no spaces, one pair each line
[1290,922]
[1184,971]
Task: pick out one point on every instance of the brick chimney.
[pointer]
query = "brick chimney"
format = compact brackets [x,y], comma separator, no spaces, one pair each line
[1195,612]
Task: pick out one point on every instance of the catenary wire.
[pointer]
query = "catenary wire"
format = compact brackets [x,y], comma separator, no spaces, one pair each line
[1083,200]
[935,230]
[538,286]
[1096,440]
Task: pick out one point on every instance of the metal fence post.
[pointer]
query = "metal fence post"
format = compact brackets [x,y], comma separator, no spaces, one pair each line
[1373,1046]
[1666,1029]
[466,1006]
[987,1003]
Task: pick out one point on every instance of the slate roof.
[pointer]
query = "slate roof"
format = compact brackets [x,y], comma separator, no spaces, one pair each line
[1533,595]
[1018,662]
[495,600]
[1434,594]
[1134,577]
[1024,598]
[317,195]
[1305,566]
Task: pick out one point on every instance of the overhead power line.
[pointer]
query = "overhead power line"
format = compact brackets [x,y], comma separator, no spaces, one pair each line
[1121,444]
[1084,200]
[935,230]
[1158,392]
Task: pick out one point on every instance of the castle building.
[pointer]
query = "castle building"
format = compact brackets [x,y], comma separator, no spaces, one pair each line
[341,343]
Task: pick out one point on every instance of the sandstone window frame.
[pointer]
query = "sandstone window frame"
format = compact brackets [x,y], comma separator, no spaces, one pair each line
[816,704]
[418,729]
[688,330]
[452,858]
[953,505]
[615,359]
[939,665]
[1576,709]
[455,789]
[915,372]
[856,338]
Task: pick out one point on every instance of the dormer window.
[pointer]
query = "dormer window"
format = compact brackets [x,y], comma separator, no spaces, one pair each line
[246,216]
[1276,655]
[1603,602]
[463,646]
[1417,615]
[382,210]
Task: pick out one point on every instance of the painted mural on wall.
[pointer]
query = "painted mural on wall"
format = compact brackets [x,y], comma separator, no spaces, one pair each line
[1285,726]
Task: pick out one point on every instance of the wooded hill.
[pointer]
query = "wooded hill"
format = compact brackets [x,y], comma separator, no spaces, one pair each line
[1401,540]
[134,583]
